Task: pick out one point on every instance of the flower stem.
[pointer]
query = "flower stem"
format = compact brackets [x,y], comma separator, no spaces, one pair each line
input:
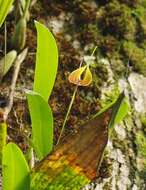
[71,102]
[93,51]
[68,112]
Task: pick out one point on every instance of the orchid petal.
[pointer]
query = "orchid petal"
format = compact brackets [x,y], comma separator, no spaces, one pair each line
[87,78]
[75,76]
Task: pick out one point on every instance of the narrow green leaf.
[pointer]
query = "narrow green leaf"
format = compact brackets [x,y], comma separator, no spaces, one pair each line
[42,124]
[46,61]
[119,111]
[7,61]
[105,108]
[19,35]
[122,112]
[4,9]
[23,4]
[15,171]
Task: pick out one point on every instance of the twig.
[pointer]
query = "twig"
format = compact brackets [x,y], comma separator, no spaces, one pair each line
[19,60]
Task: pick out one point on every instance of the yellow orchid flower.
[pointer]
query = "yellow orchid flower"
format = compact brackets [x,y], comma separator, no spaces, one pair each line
[75,76]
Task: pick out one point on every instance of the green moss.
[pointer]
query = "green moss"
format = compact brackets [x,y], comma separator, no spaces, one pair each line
[143,3]
[118,67]
[141,144]
[140,15]
[114,20]
[136,56]
[108,45]
[141,148]
[142,172]
[116,27]
[122,32]
[100,74]
[110,96]
[143,121]
[133,3]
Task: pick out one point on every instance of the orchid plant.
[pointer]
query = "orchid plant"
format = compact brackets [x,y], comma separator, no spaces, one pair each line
[76,78]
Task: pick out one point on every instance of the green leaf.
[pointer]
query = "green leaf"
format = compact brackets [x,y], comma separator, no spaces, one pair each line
[4,9]
[15,170]
[122,112]
[19,35]
[42,124]
[105,108]
[119,111]
[46,61]
[7,61]
[3,138]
